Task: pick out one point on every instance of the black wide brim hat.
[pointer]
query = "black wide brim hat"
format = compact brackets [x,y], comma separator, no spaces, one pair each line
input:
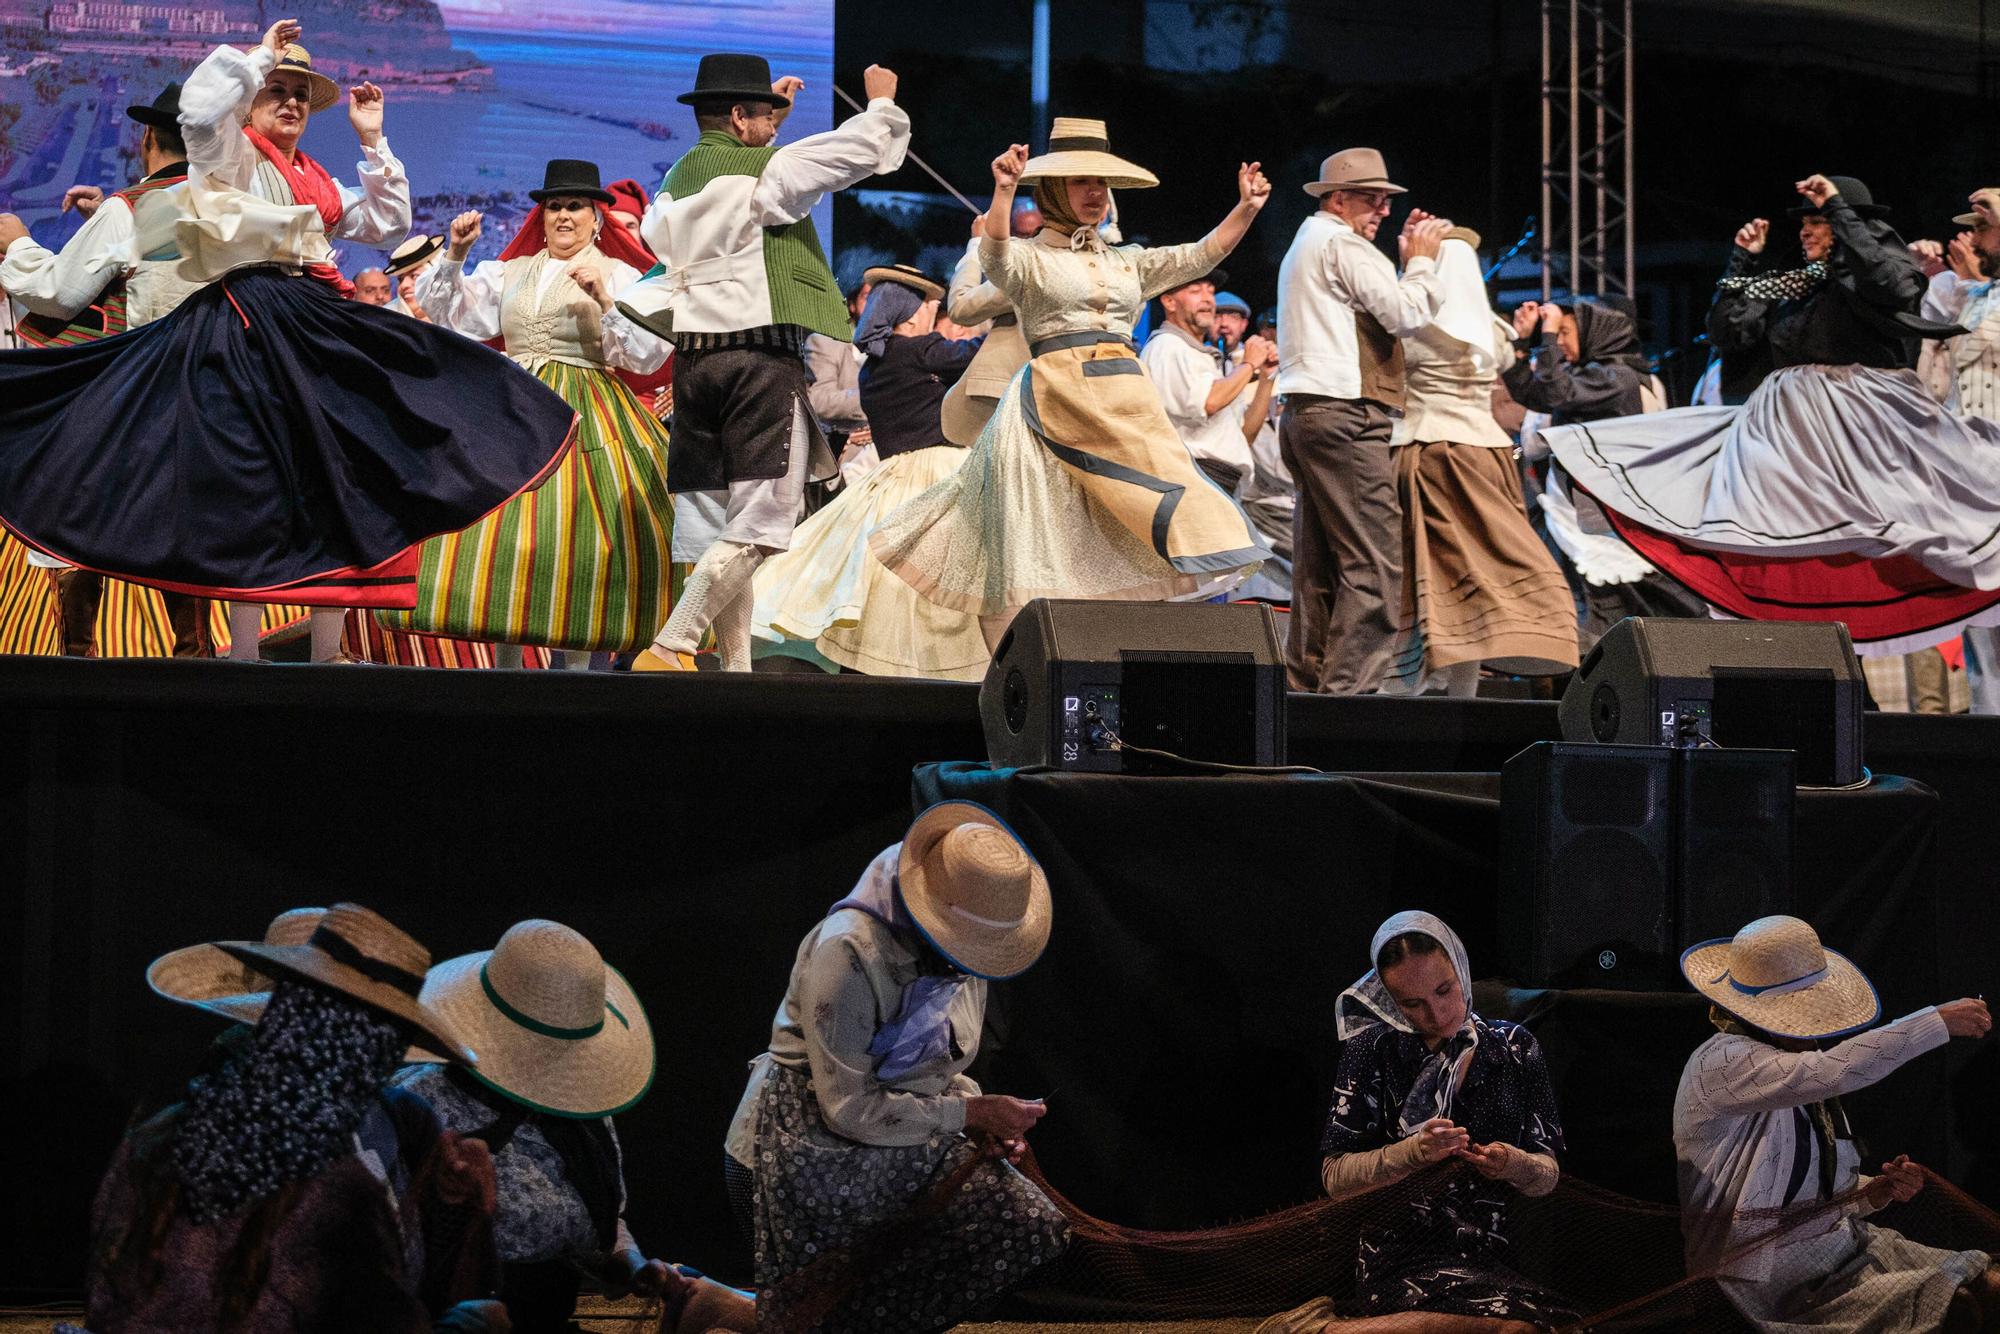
[1853,193]
[733,77]
[572,178]
[163,114]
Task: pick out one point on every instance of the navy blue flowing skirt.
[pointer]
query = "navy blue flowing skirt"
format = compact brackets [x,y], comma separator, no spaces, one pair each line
[268,442]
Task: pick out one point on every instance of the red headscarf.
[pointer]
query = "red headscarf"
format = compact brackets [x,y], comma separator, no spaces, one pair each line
[613,241]
[311,184]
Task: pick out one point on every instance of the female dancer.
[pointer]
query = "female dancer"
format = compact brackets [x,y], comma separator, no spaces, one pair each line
[1840,491]
[1079,486]
[269,441]
[581,562]
[827,591]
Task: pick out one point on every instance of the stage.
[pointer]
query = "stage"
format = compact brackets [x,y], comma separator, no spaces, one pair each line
[695,827]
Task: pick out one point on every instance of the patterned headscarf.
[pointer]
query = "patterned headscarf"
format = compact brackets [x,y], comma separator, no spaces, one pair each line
[1368,1005]
[286,1107]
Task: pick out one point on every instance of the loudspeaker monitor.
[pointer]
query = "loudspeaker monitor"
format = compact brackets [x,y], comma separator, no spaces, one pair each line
[1757,685]
[1072,679]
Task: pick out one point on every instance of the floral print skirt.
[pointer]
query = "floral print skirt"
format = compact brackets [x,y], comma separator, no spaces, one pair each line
[891,1240]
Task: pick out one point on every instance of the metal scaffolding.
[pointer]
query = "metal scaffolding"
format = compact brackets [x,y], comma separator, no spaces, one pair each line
[1587,206]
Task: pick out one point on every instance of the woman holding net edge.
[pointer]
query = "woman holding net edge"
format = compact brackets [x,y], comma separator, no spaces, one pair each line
[1424,1080]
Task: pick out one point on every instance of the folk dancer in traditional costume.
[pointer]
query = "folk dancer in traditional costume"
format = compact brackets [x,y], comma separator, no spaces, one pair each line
[743,281]
[269,441]
[1341,310]
[828,592]
[859,1117]
[116,273]
[1079,486]
[581,563]
[1478,585]
[1840,491]
[971,300]
[1772,1196]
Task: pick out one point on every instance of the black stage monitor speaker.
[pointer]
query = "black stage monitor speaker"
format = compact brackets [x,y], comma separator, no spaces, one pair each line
[1770,685]
[1071,680]
[1614,859]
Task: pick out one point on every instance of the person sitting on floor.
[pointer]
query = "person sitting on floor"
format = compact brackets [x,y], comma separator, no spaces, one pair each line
[259,1205]
[1423,1080]
[859,1135]
[1759,1132]
[564,1045]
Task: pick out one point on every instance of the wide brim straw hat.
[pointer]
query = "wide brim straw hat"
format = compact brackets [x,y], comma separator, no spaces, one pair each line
[1080,147]
[1775,975]
[1985,208]
[557,1029]
[908,275]
[974,890]
[325,92]
[414,251]
[210,978]
[360,954]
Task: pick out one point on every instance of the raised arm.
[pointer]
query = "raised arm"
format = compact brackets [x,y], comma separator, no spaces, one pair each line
[1738,1078]
[1885,273]
[800,174]
[466,302]
[1163,268]
[379,213]
[215,103]
[971,299]
[61,284]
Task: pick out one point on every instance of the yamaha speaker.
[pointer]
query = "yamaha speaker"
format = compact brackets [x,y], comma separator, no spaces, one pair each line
[1770,685]
[1614,859]
[1082,685]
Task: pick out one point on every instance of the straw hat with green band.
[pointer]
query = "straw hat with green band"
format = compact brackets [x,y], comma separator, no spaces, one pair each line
[556,1028]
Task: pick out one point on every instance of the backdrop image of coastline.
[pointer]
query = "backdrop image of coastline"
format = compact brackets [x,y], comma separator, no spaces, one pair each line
[480,95]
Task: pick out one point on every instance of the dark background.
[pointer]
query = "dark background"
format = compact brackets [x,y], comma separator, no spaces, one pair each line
[1734,102]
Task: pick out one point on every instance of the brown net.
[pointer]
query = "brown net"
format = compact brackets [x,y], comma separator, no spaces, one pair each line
[1616,1262]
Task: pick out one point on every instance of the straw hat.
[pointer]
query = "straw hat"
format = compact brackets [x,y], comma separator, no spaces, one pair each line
[209,978]
[359,953]
[415,251]
[325,92]
[1353,169]
[908,275]
[557,1029]
[1083,148]
[1985,207]
[1776,975]
[977,894]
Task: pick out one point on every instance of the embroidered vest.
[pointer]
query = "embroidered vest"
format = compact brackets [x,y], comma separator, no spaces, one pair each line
[126,302]
[1381,361]
[560,324]
[802,287]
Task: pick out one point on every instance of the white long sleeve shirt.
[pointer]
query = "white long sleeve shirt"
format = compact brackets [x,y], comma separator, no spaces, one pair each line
[1185,373]
[1330,272]
[1742,1139]
[60,284]
[475,304]
[1968,366]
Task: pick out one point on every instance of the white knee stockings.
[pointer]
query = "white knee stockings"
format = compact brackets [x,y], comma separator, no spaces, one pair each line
[718,594]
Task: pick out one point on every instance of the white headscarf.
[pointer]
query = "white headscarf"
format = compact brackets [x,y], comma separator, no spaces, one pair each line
[1367,1005]
[1465,315]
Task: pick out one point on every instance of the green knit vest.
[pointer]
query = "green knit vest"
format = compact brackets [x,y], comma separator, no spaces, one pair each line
[803,291]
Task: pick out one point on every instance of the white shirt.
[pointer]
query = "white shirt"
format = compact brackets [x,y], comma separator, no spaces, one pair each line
[475,305]
[62,284]
[1967,368]
[1329,273]
[1736,1136]
[711,244]
[1185,372]
[231,220]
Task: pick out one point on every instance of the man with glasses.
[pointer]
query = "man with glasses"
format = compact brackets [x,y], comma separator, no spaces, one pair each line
[1342,311]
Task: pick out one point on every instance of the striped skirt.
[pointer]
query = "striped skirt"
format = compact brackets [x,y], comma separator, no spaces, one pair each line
[131,619]
[580,562]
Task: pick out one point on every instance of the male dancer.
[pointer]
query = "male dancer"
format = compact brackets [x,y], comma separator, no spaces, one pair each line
[743,281]
[116,273]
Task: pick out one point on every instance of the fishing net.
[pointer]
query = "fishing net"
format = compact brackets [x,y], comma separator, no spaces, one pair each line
[1617,1262]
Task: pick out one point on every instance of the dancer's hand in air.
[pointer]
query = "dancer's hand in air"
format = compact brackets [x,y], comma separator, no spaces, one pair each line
[281,35]
[878,82]
[1251,187]
[1526,316]
[1752,235]
[83,198]
[1900,1181]
[12,229]
[1817,189]
[465,229]
[1007,168]
[364,113]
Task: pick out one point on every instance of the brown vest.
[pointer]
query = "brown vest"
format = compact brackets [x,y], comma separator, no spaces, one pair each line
[1381,361]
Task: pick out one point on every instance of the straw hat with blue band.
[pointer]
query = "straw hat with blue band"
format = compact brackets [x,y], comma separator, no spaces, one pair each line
[557,1029]
[974,890]
[1775,975]
[361,954]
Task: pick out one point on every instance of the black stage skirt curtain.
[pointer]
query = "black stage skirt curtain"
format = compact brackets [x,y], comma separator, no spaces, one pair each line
[268,441]
[1181,1023]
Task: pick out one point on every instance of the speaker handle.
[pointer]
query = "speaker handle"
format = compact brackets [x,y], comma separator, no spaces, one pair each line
[1590,660]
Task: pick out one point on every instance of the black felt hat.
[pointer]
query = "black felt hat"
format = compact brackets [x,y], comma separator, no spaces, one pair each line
[163,114]
[732,77]
[572,177]
[1852,192]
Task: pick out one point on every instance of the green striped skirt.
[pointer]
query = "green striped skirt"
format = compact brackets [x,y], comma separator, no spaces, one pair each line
[580,562]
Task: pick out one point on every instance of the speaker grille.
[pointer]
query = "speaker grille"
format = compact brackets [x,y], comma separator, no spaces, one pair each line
[1617,792]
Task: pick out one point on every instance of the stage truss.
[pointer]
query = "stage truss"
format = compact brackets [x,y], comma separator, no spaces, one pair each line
[1587,219]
